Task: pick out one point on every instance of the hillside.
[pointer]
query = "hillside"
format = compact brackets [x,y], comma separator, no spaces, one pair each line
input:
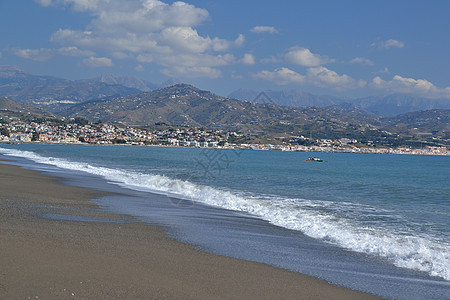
[186,105]
[285,98]
[434,122]
[178,105]
[302,114]
[396,104]
[57,94]
[52,93]
[131,82]
[382,106]
[10,109]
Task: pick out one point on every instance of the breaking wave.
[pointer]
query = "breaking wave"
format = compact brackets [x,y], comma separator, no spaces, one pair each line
[321,220]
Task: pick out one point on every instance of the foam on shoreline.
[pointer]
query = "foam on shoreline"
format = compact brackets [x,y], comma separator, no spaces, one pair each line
[321,220]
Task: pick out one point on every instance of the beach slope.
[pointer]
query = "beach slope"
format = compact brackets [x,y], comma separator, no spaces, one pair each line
[117,257]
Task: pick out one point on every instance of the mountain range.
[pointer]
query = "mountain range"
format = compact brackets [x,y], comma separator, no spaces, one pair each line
[186,105]
[119,99]
[57,94]
[382,106]
[285,98]
[131,82]
[52,93]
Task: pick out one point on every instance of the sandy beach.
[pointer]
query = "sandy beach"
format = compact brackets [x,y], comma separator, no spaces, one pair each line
[119,258]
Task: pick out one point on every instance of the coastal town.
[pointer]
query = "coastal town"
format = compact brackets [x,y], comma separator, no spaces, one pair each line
[80,131]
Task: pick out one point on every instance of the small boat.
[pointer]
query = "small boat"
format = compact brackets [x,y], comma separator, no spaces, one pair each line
[316,159]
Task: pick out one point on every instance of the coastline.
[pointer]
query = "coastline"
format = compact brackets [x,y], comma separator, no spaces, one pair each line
[312,150]
[118,257]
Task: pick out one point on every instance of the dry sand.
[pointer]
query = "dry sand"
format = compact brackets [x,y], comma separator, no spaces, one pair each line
[52,259]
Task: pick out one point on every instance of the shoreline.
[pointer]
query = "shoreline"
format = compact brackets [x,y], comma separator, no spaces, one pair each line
[119,257]
[394,152]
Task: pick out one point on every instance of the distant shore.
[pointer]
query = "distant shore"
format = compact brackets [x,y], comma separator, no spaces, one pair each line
[258,147]
[117,257]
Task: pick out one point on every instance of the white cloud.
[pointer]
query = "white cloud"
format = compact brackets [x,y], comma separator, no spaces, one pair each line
[236,76]
[90,40]
[44,2]
[145,58]
[73,51]
[272,59]
[139,68]
[281,76]
[239,41]
[304,57]
[77,5]
[136,26]
[120,55]
[264,29]
[186,39]
[44,54]
[194,65]
[383,71]
[208,72]
[316,76]
[323,77]
[421,87]
[362,61]
[248,59]
[149,31]
[98,62]
[195,60]
[389,44]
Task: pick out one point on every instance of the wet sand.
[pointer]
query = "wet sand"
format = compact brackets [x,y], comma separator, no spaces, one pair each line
[120,258]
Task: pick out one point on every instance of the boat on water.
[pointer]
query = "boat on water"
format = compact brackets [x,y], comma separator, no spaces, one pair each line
[316,159]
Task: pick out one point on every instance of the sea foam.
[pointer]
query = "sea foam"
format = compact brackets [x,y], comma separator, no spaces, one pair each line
[317,219]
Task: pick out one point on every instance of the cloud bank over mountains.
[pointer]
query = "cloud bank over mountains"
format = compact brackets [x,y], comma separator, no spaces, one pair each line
[420,87]
[169,36]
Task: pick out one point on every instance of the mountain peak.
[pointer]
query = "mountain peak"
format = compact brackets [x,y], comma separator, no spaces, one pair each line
[127,81]
[181,87]
[12,71]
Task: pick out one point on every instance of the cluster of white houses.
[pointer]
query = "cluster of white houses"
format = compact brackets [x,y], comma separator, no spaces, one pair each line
[73,133]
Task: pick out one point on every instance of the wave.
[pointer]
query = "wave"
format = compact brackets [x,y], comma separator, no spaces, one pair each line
[318,219]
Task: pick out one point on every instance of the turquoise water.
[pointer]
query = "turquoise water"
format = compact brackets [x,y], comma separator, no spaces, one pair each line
[390,208]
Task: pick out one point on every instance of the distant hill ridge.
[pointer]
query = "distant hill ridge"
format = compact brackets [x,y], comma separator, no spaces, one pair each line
[286,98]
[133,82]
[382,106]
[435,122]
[181,104]
[53,93]
[12,108]
[276,113]
[57,94]
[186,105]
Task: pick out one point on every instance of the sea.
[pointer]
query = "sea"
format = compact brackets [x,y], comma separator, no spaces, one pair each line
[376,223]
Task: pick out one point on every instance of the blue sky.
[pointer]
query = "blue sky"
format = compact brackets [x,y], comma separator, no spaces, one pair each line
[341,48]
